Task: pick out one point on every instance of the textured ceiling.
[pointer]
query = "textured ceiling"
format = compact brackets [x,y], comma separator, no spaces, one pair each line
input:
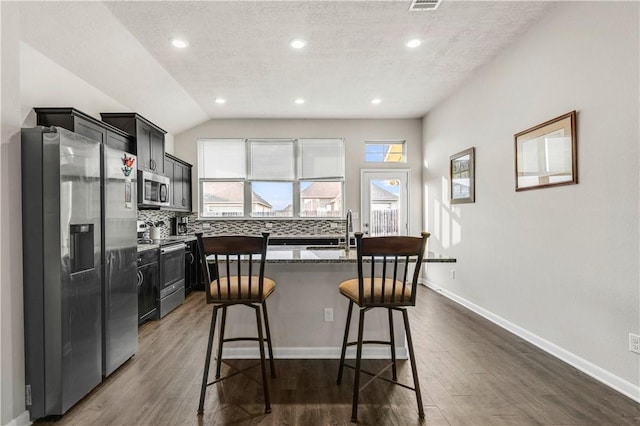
[239,50]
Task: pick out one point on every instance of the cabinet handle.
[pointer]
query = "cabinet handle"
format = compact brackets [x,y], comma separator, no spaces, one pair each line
[152,164]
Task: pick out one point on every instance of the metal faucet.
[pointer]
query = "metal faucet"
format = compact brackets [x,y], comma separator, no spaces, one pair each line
[349,229]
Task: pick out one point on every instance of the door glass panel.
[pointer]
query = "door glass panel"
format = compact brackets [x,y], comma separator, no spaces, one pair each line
[385,202]
[384,197]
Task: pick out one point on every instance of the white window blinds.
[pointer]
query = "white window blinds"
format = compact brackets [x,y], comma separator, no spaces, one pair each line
[222,159]
[321,158]
[271,159]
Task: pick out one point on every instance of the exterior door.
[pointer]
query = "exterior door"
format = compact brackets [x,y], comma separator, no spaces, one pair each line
[385,202]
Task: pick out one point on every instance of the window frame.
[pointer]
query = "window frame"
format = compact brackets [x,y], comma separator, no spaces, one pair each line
[248,182]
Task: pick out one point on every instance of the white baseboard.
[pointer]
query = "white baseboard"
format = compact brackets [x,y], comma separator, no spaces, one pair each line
[617,383]
[21,420]
[314,353]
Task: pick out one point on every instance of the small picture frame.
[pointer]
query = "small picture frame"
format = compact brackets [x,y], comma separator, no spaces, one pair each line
[545,155]
[462,172]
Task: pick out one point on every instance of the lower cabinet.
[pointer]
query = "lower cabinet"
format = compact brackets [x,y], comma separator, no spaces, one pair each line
[191,267]
[148,276]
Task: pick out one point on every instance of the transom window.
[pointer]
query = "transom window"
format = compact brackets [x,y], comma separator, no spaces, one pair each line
[271,178]
[385,152]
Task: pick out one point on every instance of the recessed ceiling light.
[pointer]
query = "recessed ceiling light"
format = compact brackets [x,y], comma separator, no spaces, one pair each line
[297,43]
[413,43]
[179,43]
[221,101]
[376,101]
[299,101]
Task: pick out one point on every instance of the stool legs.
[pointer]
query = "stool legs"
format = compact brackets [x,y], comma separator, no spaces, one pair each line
[356,379]
[207,362]
[223,323]
[260,339]
[412,358]
[263,367]
[344,342]
[392,341]
[269,346]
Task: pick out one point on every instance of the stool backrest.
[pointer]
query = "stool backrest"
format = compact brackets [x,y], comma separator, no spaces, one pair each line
[233,256]
[383,265]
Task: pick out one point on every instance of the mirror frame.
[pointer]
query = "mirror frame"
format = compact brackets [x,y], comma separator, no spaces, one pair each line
[561,127]
[454,160]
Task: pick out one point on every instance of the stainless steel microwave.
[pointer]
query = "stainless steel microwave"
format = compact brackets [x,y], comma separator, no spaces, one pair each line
[153,189]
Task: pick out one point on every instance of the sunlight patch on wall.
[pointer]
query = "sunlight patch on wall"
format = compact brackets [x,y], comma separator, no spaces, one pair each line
[437,231]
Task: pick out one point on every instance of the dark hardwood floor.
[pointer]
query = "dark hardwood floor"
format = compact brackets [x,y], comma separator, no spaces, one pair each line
[471,373]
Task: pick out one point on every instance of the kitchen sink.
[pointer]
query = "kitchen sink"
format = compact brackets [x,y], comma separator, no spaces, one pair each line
[336,247]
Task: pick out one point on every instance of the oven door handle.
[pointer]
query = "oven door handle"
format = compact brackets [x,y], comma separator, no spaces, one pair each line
[172,248]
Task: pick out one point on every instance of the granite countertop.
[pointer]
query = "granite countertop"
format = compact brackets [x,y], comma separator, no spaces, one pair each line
[303,254]
[322,252]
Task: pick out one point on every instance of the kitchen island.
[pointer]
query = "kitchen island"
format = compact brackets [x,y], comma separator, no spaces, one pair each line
[307,314]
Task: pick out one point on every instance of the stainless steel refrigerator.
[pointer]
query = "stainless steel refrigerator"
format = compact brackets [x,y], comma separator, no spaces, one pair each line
[78,296]
[120,249]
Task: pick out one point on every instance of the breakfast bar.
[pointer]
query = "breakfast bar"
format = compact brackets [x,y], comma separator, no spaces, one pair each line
[306,312]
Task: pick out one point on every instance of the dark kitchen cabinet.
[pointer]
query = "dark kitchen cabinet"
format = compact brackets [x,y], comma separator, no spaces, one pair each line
[190,267]
[85,125]
[148,280]
[149,138]
[179,172]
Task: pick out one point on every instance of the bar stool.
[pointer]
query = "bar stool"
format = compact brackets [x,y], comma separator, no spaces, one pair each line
[238,284]
[383,264]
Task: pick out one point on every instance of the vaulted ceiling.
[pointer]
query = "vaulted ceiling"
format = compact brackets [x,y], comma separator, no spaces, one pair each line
[239,51]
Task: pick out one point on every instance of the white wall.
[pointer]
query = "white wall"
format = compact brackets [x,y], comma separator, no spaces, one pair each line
[354,132]
[12,407]
[557,265]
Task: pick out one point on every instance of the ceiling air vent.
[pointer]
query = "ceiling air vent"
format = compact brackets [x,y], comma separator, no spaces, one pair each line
[420,5]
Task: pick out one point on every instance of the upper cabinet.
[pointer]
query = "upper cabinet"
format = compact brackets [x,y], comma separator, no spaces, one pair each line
[180,189]
[85,125]
[149,138]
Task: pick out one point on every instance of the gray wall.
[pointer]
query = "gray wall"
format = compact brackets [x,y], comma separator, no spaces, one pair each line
[354,132]
[559,265]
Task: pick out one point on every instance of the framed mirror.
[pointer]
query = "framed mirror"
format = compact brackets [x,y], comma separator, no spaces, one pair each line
[546,154]
[462,177]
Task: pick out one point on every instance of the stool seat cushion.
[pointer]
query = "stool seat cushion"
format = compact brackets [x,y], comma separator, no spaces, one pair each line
[243,285]
[349,288]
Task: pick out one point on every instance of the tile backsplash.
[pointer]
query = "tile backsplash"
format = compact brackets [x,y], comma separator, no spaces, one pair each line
[279,227]
[155,216]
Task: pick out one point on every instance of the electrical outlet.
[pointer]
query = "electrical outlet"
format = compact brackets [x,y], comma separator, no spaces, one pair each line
[269,225]
[634,343]
[334,225]
[453,274]
[206,225]
[328,314]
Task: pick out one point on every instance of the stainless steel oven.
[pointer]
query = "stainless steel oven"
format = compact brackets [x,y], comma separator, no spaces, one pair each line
[153,189]
[171,288]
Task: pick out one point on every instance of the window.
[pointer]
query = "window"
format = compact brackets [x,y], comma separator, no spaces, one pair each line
[385,152]
[271,178]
